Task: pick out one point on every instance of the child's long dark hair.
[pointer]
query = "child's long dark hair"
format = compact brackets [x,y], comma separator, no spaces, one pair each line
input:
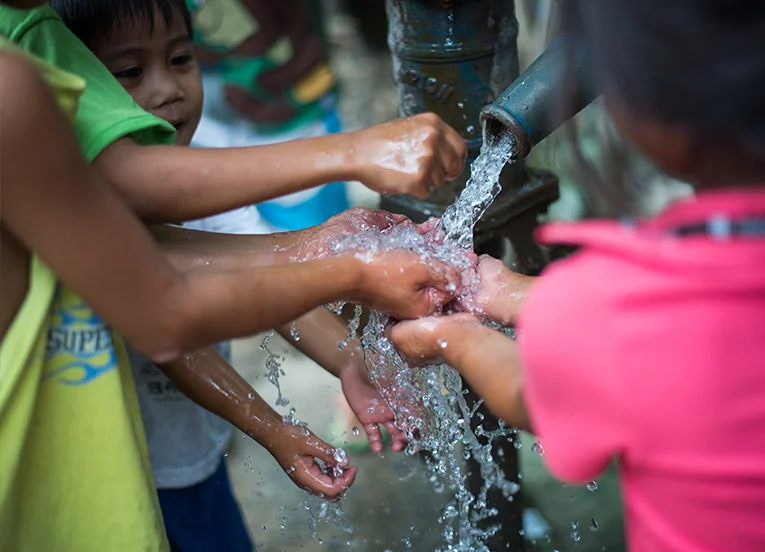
[91,19]
[697,64]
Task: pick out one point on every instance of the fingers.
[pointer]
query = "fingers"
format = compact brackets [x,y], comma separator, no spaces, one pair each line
[310,476]
[416,338]
[455,152]
[437,177]
[427,226]
[397,436]
[443,278]
[330,479]
[374,436]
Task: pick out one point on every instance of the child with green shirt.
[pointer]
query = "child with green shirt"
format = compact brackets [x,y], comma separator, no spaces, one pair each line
[68,411]
[76,471]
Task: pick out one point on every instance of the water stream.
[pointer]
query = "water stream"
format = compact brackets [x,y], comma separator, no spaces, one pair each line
[429,402]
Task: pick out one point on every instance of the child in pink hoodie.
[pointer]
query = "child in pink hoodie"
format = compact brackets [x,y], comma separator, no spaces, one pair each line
[646,346]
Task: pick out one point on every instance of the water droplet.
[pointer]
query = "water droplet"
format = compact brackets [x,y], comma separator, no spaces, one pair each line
[592,486]
[575,536]
[442,343]
[355,431]
[593,525]
[537,448]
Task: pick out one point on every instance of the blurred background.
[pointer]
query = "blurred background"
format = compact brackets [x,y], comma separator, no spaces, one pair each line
[392,506]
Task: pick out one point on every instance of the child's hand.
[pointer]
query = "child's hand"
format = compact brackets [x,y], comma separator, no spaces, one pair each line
[297,449]
[500,293]
[401,284]
[370,409]
[425,341]
[320,239]
[409,156]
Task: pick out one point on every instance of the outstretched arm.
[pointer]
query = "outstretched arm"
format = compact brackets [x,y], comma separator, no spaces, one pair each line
[486,358]
[174,184]
[192,249]
[211,382]
[320,332]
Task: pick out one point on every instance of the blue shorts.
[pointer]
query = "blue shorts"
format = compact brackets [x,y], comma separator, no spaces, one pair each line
[205,517]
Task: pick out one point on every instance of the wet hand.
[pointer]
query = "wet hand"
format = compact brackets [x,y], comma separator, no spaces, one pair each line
[370,409]
[402,285]
[320,240]
[409,156]
[500,292]
[312,464]
[425,341]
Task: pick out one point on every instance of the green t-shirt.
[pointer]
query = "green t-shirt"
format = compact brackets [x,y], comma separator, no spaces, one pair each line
[106,112]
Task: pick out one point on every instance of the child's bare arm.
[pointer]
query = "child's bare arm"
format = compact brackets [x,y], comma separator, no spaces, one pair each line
[486,358]
[320,333]
[192,249]
[56,206]
[211,382]
[173,184]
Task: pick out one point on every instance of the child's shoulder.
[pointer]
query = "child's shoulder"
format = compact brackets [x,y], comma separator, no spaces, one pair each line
[15,23]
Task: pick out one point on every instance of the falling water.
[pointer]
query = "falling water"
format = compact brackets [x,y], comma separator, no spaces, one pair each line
[429,402]
[480,191]
[274,366]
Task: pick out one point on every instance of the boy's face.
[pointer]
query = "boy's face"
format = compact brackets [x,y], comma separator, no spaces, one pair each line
[158,69]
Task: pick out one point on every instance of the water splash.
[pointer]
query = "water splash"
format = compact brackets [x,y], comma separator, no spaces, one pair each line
[323,511]
[294,333]
[429,402]
[480,191]
[274,367]
[353,327]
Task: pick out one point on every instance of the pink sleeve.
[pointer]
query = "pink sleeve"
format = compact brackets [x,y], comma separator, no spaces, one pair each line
[572,381]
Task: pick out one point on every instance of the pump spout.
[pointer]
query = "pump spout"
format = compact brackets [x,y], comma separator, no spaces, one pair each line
[554,88]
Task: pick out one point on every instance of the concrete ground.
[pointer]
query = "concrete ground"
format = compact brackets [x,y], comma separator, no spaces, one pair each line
[391,506]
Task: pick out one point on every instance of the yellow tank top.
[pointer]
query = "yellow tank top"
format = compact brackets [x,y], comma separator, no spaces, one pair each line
[74,470]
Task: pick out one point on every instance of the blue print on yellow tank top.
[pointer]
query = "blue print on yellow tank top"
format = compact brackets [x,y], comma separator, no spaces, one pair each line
[79,347]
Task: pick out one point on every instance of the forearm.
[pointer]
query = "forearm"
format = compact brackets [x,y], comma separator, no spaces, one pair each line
[320,332]
[207,379]
[193,250]
[489,361]
[243,303]
[174,184]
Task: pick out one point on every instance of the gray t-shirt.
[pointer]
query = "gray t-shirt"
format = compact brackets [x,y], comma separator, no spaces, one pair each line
[186,442]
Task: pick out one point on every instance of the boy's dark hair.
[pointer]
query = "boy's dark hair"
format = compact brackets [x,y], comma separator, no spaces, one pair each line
[698,64]
[91,19]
